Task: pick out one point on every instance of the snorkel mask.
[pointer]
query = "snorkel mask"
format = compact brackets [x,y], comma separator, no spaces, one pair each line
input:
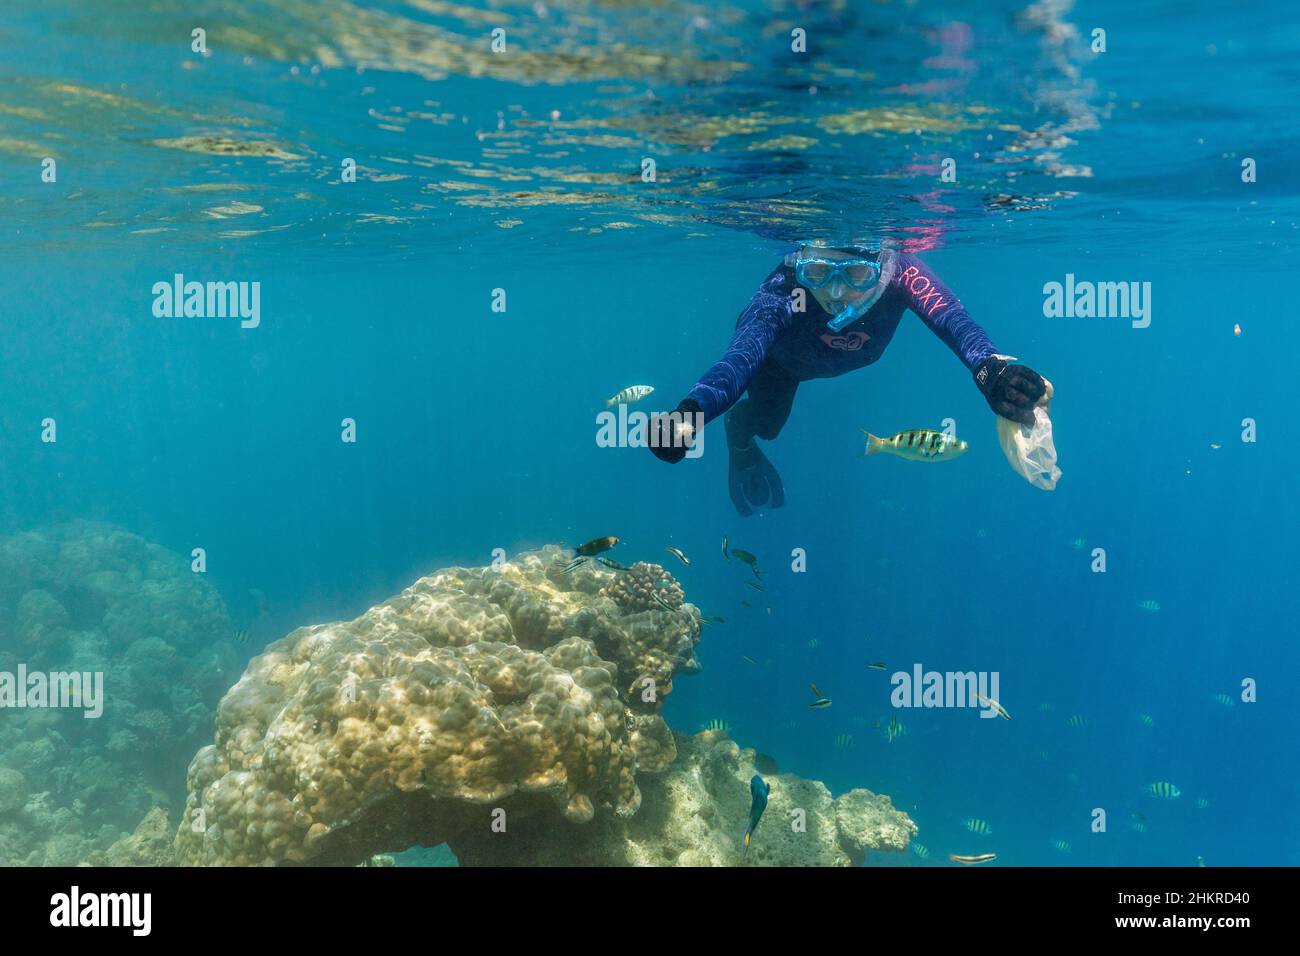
[866,271]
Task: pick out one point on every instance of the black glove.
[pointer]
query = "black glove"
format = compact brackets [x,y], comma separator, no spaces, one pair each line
[1012,391]
[662,443]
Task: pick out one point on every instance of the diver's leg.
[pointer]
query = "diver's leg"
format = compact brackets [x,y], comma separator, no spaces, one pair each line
[752,480]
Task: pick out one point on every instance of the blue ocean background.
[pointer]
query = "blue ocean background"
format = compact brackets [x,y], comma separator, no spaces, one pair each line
[476,429]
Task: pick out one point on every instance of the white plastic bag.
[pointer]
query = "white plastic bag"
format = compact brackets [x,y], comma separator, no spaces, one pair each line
[1031,451]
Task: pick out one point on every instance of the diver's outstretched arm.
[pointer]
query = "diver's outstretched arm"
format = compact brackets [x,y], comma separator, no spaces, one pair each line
[722,385]
[1011,390]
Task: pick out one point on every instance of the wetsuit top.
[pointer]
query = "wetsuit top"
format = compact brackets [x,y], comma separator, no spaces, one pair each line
[801,344]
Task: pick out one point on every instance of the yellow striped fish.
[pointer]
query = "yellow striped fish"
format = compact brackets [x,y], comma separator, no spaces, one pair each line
[1061,845]
[1078,720]
[918,444]
[629,395]
[1163,790]
[921,850]
[895,729]
[241,636]
[717,724]
[1224,699]
[977,826]
[844,741]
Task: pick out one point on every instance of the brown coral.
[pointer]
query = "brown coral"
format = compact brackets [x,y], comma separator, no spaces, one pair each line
[506,713]
[475,689]
[636,589]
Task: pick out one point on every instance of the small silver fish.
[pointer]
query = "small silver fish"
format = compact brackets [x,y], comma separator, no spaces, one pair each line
[629,395]
[990,702]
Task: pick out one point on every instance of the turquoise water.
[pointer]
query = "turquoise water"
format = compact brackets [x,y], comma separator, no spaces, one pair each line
[522,171]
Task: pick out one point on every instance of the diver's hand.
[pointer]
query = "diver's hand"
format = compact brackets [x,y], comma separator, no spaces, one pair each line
[667,446]
[1012,391]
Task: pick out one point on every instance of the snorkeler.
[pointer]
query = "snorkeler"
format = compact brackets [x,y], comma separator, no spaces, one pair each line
[858,295]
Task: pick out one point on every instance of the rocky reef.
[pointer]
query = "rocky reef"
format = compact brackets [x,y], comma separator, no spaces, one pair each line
[511,712]
[90,597]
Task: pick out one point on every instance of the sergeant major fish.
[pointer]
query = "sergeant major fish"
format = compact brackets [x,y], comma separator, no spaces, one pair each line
[918,444]
[629,395]
[1162,790]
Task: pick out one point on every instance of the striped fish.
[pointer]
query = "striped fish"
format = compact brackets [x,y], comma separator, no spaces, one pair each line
[676,553]
[1077,720]
[1147,720]
[819,699]
[612,564]
[918,444]
[1149,606]
[572,565]
[716,724]
[921,850]
[1202,803]
[629,395]
[658,599]
[844,741]
[1224,699]
[975,825]
[241,636]
[1162,790]
[1061,845]
[895,729]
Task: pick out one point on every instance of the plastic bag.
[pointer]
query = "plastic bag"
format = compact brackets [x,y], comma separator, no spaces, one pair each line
[1031,451]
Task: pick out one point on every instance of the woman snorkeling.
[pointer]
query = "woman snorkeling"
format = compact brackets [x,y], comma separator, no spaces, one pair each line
[826,310]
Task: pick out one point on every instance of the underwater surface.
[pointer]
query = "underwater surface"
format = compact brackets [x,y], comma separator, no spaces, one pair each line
[461,253]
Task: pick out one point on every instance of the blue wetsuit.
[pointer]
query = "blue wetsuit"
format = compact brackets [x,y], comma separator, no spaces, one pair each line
[775,348]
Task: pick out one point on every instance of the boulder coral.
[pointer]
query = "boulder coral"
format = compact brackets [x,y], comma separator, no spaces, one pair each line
[89,597]
[485,708]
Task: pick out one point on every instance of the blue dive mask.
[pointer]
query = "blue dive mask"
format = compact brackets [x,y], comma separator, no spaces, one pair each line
[859,274]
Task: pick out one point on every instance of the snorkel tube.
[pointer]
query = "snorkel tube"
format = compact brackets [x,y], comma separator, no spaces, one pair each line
[847,316]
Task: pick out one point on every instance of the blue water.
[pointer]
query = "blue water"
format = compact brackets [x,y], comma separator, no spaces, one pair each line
[475,428]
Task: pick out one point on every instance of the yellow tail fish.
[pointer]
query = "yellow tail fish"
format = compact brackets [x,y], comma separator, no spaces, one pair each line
[918,444]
